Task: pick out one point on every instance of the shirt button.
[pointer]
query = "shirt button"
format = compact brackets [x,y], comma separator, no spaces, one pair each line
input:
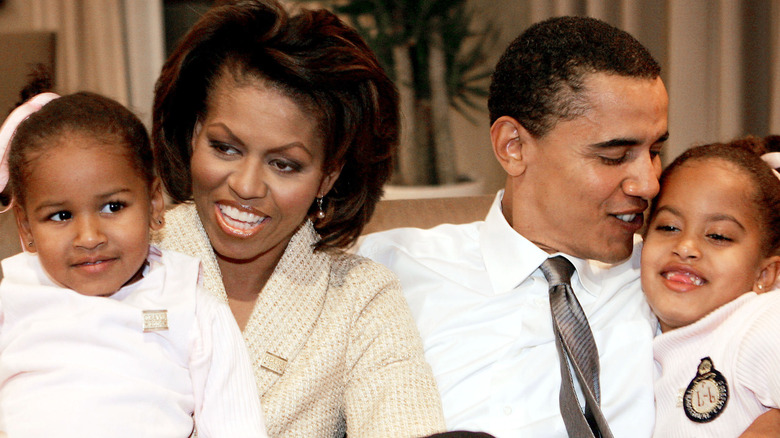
[507,410]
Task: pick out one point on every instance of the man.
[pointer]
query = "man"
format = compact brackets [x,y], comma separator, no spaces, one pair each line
[578,117]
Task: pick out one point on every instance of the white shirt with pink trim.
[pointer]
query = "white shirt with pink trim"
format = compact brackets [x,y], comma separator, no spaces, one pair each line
[78,366]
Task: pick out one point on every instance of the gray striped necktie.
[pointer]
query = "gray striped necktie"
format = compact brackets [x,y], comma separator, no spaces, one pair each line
[576,346]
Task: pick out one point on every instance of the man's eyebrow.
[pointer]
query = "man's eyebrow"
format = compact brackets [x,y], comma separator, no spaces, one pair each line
[617,142]
[622,142]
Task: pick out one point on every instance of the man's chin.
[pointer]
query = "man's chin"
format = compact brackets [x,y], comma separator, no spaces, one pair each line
[609,254]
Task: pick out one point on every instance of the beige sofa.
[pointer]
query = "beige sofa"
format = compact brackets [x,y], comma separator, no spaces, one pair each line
[9,237]
[427,213]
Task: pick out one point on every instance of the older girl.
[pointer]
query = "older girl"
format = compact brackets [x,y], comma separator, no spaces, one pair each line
[710,258]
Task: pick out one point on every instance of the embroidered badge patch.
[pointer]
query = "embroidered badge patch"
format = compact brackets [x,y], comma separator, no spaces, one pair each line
[155,320]
[707,394]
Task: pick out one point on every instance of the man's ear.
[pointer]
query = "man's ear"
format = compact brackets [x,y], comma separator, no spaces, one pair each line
[768,275]
[25,231]
[157,206]
[509,138]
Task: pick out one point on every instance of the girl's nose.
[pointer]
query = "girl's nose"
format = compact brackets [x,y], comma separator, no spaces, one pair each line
[686,248]
[89,234]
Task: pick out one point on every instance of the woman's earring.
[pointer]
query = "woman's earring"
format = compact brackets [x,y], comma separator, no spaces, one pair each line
[760,286]
[320,213]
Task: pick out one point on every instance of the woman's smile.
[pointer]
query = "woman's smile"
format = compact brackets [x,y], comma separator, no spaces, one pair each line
[241,222]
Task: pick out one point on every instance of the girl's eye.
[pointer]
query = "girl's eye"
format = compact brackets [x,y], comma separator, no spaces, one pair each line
[719,237]
[61,216]
[665,228]
[112,207]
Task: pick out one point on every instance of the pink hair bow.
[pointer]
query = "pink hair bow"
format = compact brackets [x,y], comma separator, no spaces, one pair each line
[773,159]
[8,129]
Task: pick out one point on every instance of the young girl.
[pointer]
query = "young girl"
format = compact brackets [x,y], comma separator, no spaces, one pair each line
[101,334]
[710,258]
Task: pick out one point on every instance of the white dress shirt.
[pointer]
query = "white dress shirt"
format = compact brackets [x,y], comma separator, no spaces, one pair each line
[73,365]
[482,306]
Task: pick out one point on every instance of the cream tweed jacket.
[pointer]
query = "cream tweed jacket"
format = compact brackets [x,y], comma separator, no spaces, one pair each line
[331,338]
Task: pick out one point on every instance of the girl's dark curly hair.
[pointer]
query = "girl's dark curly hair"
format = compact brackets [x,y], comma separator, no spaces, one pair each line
[87,113]
[745,155]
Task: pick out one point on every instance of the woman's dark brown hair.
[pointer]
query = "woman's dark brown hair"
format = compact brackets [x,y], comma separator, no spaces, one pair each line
[314,59]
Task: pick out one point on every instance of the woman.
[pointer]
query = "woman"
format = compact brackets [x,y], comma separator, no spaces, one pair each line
[276,132]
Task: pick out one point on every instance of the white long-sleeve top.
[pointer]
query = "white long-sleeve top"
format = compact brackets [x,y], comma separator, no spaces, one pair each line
[741,339]
[79,366]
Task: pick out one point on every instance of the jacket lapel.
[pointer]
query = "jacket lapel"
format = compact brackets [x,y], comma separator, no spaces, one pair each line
[288,307]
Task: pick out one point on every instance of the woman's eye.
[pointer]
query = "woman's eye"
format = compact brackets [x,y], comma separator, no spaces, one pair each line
[223,148]
[112,207]
[61,216]
[665,228]
[285,166]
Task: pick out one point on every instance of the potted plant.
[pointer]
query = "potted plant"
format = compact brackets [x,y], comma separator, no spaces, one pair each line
[437,59]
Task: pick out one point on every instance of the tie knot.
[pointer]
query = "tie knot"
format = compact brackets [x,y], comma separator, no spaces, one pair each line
[557,270]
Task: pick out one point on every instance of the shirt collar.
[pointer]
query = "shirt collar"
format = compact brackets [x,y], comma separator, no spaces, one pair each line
[511,258]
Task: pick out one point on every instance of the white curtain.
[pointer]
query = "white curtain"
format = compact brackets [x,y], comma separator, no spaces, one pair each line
[112,47]
[720,58]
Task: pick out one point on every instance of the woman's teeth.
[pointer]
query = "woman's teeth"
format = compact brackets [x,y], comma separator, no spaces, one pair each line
[238,218]
[626,217]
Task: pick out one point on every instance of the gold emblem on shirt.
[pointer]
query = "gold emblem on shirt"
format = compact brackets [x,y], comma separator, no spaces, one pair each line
[155,320]
[707,394]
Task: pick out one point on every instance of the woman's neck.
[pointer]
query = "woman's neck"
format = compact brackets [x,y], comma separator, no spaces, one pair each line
[244,280]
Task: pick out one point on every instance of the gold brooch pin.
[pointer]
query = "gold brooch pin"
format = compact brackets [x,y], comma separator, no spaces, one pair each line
[273,363]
